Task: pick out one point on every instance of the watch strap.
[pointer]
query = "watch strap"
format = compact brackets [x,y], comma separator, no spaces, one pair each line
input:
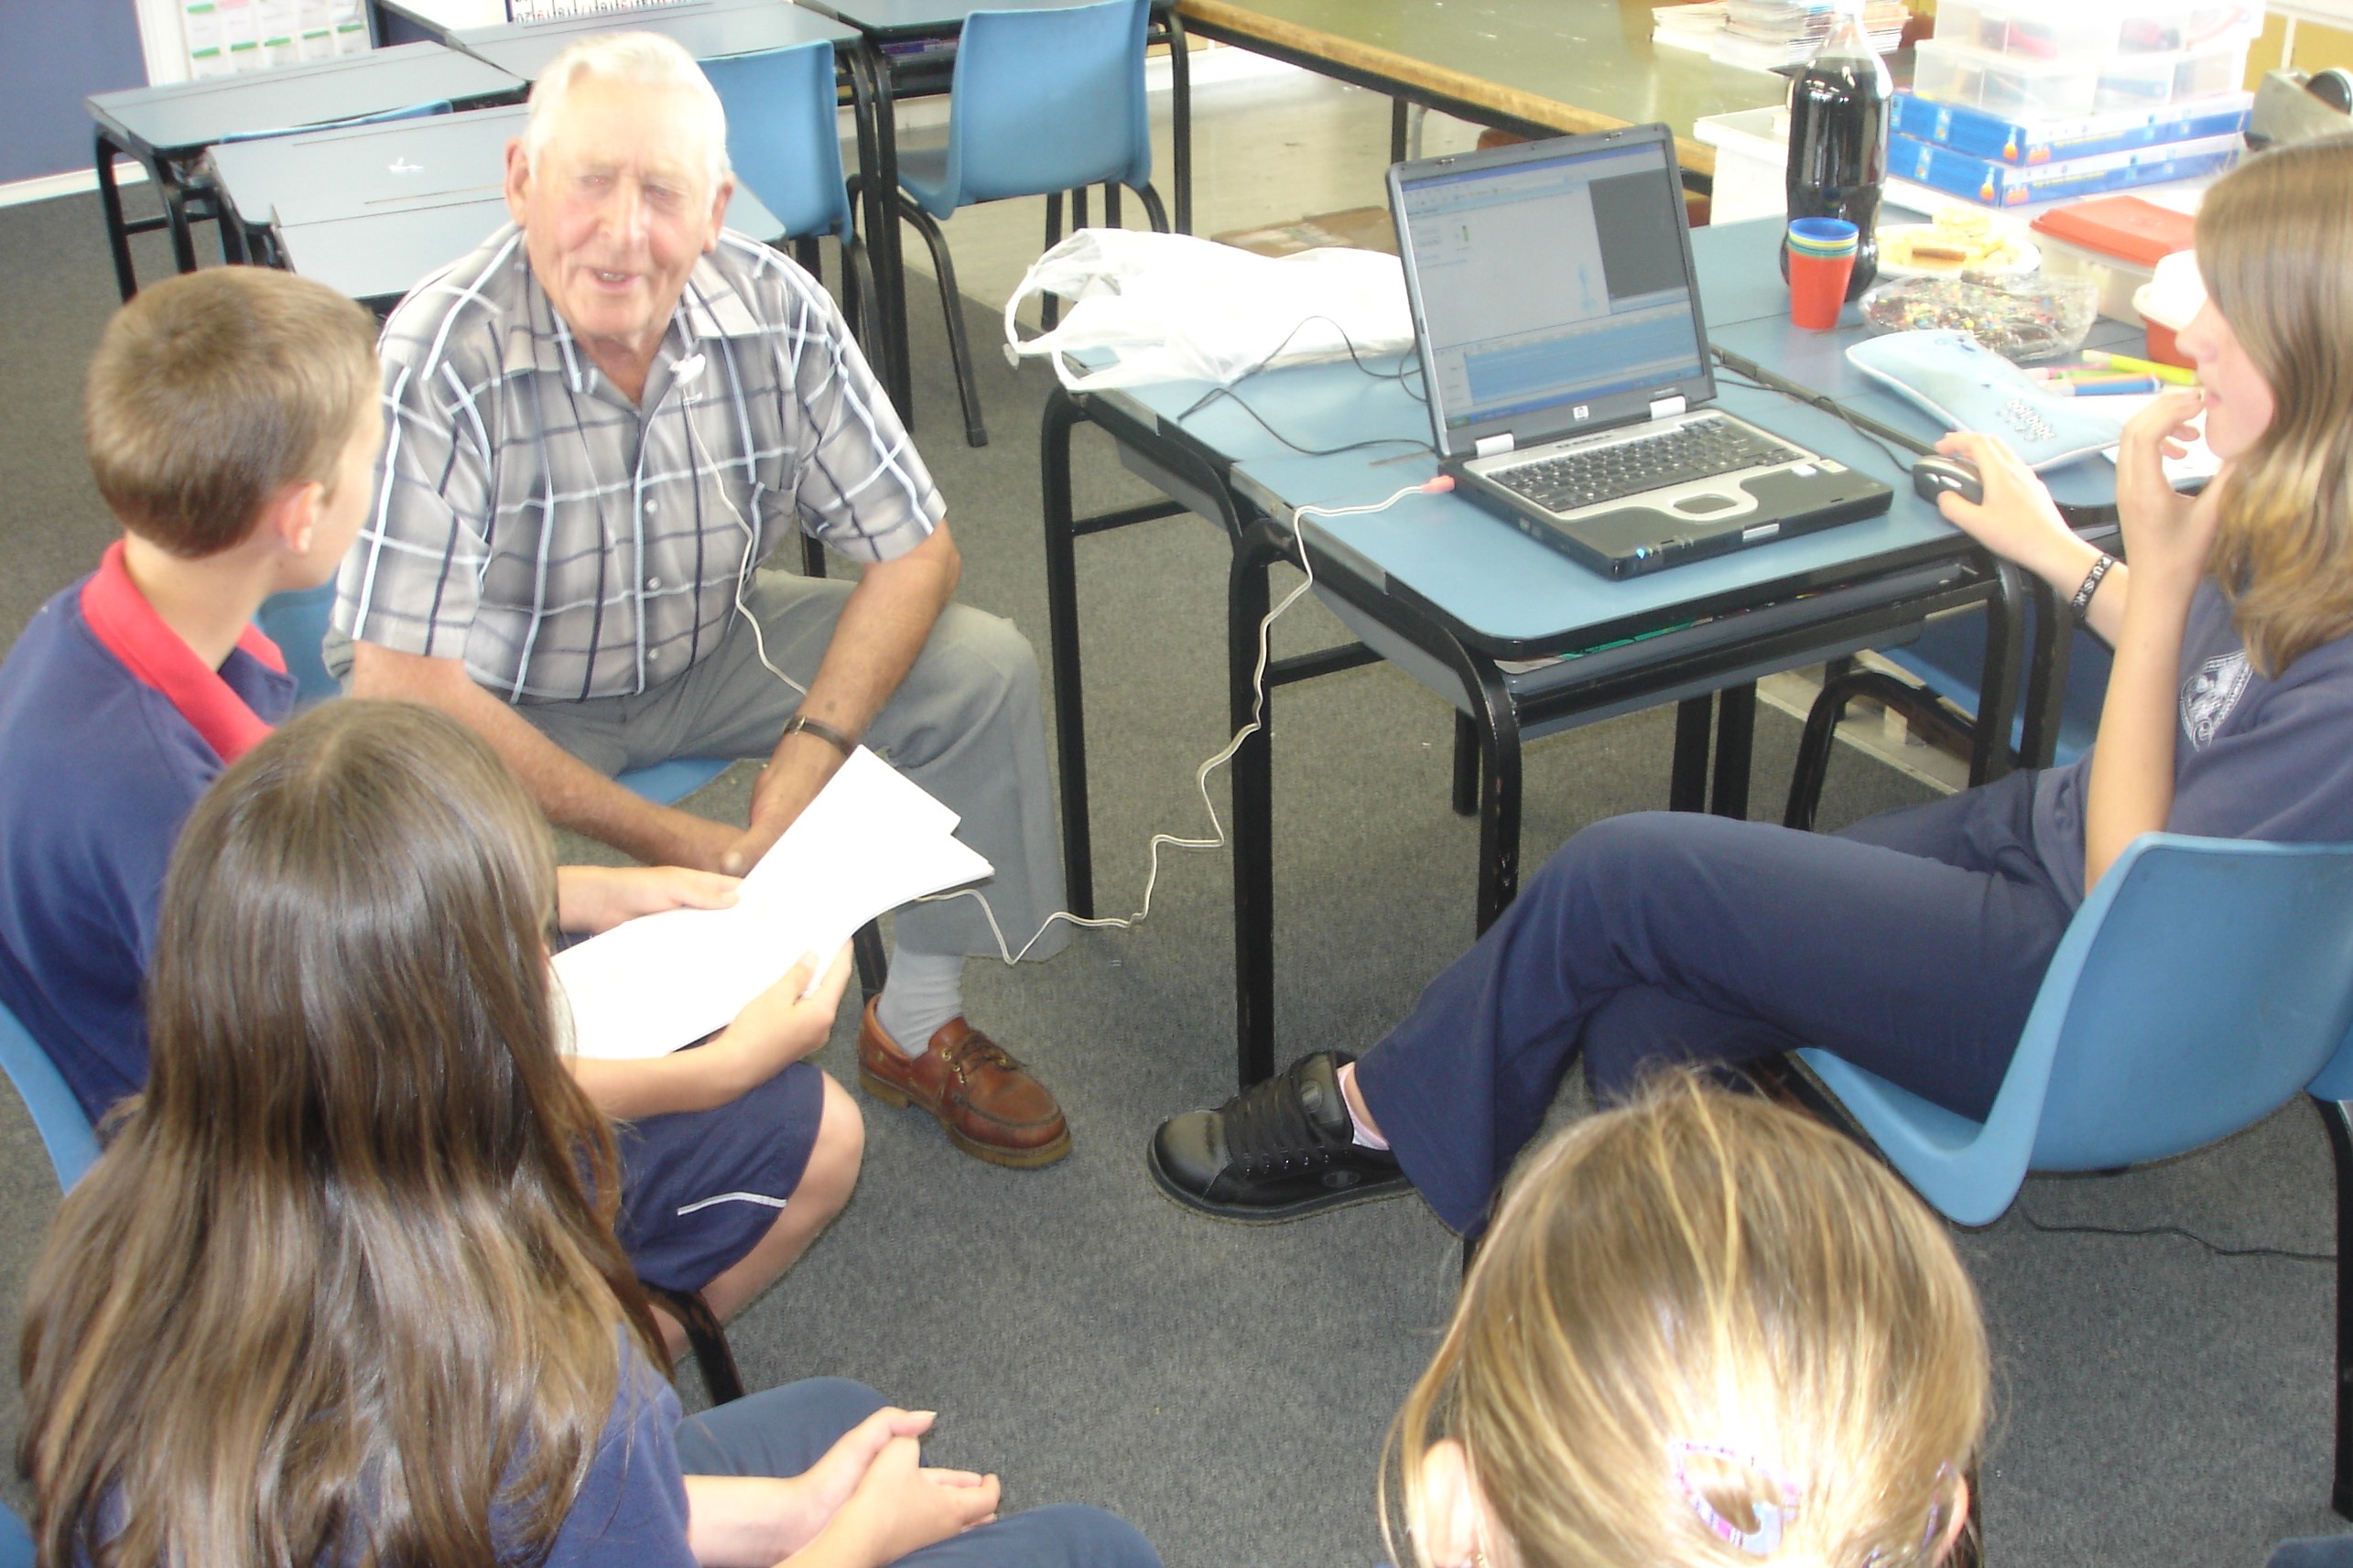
[802,724]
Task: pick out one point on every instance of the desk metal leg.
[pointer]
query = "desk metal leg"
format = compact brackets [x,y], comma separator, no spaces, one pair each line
[2046,677]
[1736,728]
[1062,637]
[1399,114]
[1687,784]
[1499,793]
[2335,1117]
[175,207]
[2005,653]
[109,201]
[1466,766]
[878,168]
[1254,809]
[1181,117]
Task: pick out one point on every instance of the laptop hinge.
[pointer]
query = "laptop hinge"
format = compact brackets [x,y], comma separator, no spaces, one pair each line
[1669,407]
[1491,446]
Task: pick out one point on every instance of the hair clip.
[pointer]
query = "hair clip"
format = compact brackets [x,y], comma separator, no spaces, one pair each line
[1928,1537]
[1771,1520]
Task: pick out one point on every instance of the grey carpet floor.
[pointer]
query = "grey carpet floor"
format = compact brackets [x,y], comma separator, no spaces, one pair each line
[1227,1388]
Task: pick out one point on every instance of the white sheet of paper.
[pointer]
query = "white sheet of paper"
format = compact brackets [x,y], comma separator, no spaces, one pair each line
[870,841]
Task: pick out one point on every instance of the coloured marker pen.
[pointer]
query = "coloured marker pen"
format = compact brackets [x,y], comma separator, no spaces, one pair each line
[2121,387]
[2174,373]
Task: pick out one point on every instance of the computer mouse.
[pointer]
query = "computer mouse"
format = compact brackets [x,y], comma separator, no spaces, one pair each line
[1933,475]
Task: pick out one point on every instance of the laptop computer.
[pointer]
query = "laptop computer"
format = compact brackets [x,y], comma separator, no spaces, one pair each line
[1566,363]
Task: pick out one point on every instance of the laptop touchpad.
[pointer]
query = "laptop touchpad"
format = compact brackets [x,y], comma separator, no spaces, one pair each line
[1700,505]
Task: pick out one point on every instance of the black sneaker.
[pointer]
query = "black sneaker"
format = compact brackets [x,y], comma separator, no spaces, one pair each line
[1277,1151]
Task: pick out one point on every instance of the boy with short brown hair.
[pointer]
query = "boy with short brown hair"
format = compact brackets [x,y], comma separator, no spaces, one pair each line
[232,418]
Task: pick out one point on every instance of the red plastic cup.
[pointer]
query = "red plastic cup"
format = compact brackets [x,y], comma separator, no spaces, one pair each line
[1821,260]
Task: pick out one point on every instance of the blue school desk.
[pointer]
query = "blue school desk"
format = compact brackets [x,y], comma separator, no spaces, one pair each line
[370,210]
[167,129]
[1522,641]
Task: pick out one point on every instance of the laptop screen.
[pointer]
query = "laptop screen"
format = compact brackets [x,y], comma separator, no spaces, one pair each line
[1551,288]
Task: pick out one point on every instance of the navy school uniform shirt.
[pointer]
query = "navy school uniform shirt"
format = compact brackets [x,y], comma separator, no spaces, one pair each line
[2255,756]
[630,1509]
[110,728]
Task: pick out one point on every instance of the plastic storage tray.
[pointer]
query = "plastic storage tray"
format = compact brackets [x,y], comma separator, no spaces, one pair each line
[2180,76]
[2008,85]
[2023,142]
[2075,32]
[1993,183]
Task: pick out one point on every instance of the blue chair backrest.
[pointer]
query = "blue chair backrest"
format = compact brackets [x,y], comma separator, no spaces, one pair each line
[1949,659]
[2203,983]
[297,623]
[57,1115]
[1048,100]
[782,134]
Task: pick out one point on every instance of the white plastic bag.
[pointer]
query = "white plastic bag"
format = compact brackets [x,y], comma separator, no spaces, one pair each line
[1173,307]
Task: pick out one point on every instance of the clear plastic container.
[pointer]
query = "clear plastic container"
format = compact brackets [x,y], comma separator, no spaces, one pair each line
[2170,29]
[2075,32]
[2155,80]
[2013,85]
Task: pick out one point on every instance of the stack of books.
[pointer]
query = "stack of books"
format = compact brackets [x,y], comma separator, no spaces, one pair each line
[1766,35]
[1687,26]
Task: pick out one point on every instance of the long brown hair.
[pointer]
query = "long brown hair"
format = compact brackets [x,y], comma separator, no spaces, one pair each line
[1697,1299]
[2275,247]
[345,1279]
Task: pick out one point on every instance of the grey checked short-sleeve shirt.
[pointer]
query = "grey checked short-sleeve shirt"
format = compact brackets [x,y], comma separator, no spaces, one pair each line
[567,543]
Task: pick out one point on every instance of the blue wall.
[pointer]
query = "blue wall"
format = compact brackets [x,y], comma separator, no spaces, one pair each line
[53,54]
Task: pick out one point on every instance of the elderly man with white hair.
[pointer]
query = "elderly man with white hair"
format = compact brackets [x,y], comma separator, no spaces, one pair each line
[601,424]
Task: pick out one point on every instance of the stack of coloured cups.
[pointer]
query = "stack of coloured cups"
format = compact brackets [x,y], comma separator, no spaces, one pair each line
[1821,260]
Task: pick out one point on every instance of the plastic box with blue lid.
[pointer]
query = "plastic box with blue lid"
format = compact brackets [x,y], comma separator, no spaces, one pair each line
[1993,183]
[2027,143]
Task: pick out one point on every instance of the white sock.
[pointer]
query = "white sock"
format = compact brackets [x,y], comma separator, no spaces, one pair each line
[1359,1134]
[925,991]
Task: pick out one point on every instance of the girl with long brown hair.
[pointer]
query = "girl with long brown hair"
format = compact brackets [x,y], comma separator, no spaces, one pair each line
[344,1288]
[1913,942]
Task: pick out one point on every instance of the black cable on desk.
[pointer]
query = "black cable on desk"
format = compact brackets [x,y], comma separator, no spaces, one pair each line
[1411,366]
[1814,400]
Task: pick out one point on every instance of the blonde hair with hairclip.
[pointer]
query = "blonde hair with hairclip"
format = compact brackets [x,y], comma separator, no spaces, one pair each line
[1704,1331]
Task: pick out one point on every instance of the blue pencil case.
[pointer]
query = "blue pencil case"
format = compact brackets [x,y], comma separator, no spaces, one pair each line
[1970,387]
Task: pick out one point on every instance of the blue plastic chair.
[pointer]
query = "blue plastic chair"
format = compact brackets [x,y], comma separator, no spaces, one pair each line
[15,1540]
[2202,984]
[1042,102]
[57,1114]
[1947,659]
[783,140]
[297,623]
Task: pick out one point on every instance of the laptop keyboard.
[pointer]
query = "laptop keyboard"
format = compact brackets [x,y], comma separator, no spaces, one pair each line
[1699,448]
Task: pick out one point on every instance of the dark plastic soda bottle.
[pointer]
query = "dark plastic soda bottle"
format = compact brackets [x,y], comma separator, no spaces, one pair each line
[1837,140]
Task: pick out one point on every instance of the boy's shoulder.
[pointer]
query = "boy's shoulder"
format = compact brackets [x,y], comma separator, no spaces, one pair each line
[83,739]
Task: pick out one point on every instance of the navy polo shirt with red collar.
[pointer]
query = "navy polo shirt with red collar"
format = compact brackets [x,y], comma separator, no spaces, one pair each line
[110,727]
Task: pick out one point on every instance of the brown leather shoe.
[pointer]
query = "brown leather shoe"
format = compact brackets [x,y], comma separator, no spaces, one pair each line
[991,1109]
